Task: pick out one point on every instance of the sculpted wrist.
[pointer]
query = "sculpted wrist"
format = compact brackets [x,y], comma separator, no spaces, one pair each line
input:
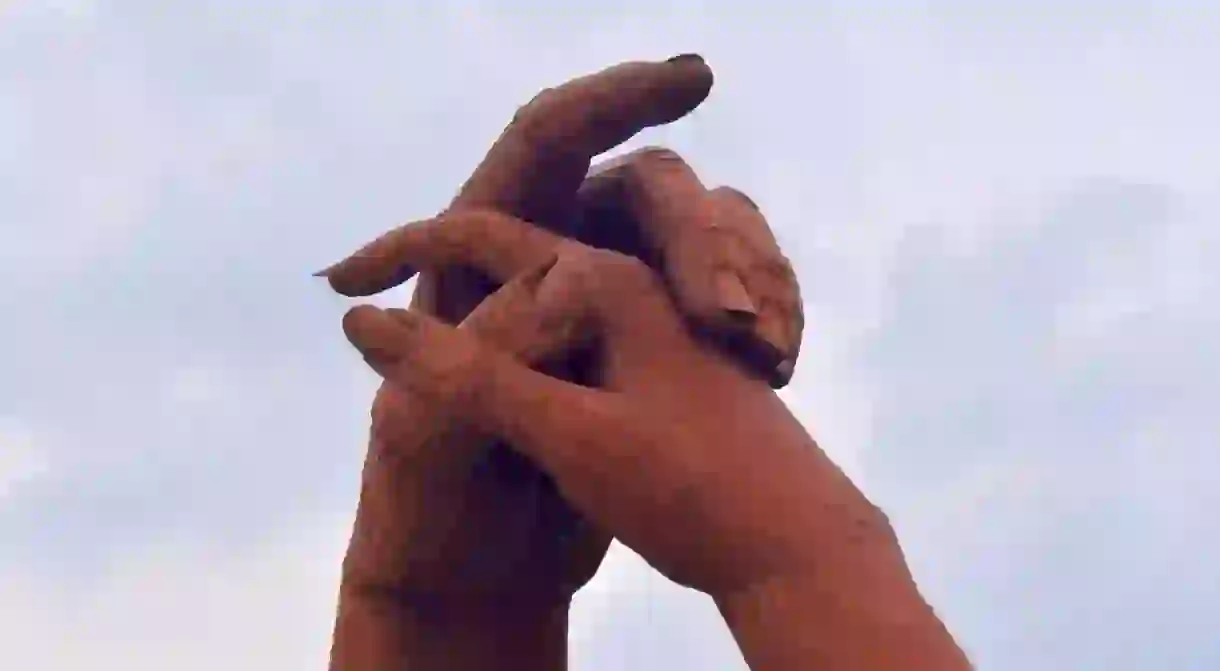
[377,632]
[853,606]
[789,625]
[511,639]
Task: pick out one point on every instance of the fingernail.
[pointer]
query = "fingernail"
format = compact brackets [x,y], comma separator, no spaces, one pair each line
[325,272]
[685,58]
[733,298]
[770,330]
[782,375]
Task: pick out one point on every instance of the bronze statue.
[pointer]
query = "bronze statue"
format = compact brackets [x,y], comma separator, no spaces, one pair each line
[618,334]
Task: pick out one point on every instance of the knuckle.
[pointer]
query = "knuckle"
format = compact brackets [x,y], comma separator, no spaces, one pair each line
[476,225]
[491,321]
[602,274]
[739,195]
[619,270]
[457,235]
[653,160]
[526,113]
[777,268]
[535,242]
[452,371]
[529,120]
[658,154]
[449,238]
[456,376]
[574,268]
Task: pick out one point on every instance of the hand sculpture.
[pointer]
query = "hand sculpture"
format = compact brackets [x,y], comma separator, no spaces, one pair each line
[681,455]
[453,534]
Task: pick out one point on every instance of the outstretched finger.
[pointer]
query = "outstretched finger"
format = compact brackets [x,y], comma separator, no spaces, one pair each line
[542,156]
[497,244]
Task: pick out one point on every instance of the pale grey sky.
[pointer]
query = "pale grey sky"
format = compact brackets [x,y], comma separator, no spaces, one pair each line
[1004,219]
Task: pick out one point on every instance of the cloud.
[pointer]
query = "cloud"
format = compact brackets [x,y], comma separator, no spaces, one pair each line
[631,617]
[20,460]
[1002,220]
[185,603]
[1039,448]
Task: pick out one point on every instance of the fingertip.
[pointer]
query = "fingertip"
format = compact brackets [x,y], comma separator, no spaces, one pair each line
[688,84]
[694,68]
[340,278]
[327,274]
[660,92]
[355,319]
[334,277]
[783,374]
[339,285]
[379,336]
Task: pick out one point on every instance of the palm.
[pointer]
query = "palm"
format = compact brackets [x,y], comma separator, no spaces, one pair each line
[475,519]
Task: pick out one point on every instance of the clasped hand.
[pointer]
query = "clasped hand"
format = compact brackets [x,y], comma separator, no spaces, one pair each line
[588,356]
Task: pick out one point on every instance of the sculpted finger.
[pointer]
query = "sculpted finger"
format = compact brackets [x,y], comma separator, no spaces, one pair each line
[545,151]
[668,201]
[541,157]
[577,298]
[512,321]
[769,279]
[557,424]
[720,257]
[497,244]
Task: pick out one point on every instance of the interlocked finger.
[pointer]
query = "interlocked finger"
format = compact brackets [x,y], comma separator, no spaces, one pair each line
[512,321]
[495,243]
[539,160]
[424,448]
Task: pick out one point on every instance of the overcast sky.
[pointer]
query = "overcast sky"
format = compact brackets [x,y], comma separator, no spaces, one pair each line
[1004,221]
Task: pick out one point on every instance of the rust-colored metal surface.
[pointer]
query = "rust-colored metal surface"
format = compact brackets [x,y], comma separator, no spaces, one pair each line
[591,354]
